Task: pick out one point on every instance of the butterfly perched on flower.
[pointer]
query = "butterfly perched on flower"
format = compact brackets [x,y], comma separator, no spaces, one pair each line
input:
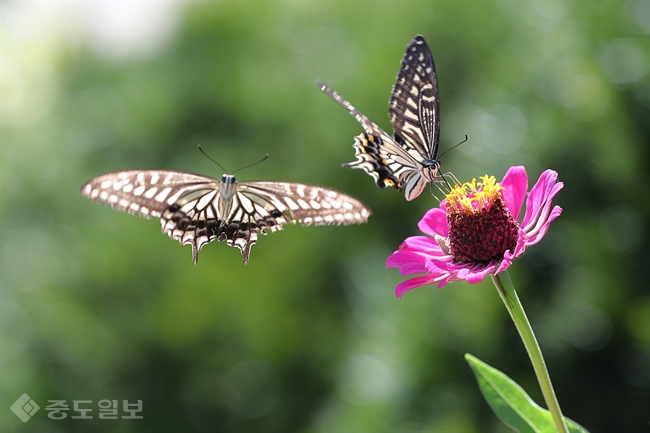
[196,210]
[407,159]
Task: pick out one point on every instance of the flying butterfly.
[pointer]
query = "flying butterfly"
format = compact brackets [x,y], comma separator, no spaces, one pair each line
[196,210]
[408,159]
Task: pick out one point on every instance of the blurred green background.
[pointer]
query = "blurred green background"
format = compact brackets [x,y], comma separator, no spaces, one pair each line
[309,337]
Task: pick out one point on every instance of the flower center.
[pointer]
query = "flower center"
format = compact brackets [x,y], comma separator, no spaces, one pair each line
[481,228]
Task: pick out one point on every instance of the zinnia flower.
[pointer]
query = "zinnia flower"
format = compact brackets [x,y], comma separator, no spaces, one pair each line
[475,232]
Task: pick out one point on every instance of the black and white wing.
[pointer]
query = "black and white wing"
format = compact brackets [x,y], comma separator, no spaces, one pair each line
[197,209]
[408,158]
[414,106]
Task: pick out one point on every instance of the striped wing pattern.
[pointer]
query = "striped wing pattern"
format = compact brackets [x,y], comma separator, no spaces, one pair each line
[414,103]
[406,160]
[196,209]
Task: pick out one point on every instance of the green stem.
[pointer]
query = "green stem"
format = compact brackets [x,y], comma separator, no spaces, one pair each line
[509,296]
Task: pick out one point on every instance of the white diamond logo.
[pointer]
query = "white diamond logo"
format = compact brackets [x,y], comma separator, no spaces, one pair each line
[25,407]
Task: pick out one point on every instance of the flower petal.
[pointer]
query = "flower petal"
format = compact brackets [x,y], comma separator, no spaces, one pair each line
[515,183]
[476,275]
[540,230]
[540,197]
[414,283]
[408,262]
[508,257]
[405,259]
[520,247]
[437,265]
[422,244]
[434,223]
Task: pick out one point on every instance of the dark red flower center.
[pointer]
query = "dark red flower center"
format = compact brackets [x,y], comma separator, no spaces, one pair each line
[482,235]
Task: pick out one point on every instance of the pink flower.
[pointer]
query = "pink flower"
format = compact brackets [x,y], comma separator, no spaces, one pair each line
[475,233]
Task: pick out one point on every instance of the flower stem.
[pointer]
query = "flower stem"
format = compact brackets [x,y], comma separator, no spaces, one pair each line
[509,296]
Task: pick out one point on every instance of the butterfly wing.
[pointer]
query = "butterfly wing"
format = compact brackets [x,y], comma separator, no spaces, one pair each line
[307,204]
[266,206]
[414,105]
[408,158]
[196,210]
[369,126]
[182,201]
[147,193]
[414,111]
[377,153]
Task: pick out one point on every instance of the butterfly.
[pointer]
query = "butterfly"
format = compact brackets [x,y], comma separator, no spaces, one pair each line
[407,160]
[196,210]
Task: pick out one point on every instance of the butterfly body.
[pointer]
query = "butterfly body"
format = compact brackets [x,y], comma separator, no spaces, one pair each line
[196,210]
[407,159]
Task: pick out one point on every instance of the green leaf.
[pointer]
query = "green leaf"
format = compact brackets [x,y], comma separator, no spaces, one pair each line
[511,403]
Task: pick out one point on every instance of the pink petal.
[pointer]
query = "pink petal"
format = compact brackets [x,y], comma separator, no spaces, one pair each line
[543,211]
[437,265]
[537,235]
[508,257]
[521,245]
[434,223]
[474,276]
[440,264]
[515,183]
[413,268]
[461,272]
[421,244]
[407,262]
[542,193]
[413,283]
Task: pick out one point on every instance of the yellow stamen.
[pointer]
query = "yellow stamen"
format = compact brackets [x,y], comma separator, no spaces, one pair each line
[474,196]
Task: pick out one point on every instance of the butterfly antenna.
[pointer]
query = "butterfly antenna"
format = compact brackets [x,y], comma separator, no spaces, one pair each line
[250,165]
[454,146]
[210,158]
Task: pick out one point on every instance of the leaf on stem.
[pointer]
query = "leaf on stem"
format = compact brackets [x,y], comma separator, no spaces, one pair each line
[511,403]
